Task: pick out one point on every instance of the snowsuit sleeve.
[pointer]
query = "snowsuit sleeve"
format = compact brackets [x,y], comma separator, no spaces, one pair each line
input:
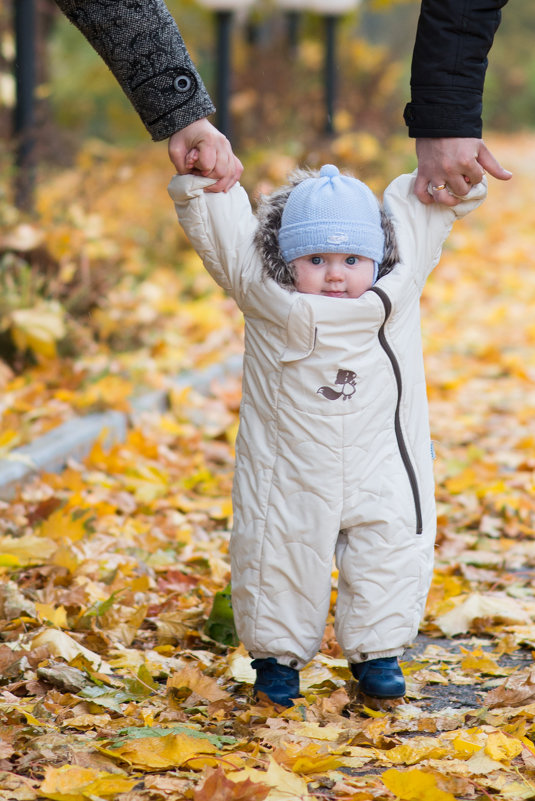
[142,46]
[421,230]
[221,228]
[449,63]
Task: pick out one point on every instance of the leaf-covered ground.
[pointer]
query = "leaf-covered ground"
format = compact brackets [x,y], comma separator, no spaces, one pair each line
[110,687]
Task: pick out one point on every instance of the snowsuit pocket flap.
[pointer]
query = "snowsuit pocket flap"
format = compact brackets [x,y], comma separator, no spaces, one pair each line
[301,333]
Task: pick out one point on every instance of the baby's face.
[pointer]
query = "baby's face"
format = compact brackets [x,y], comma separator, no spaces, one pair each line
[336,275]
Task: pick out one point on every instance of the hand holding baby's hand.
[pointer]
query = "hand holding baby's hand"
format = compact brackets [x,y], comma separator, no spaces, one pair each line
[450,166]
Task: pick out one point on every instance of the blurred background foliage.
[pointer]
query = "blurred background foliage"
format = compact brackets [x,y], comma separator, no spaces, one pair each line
[103,223]
[277,90]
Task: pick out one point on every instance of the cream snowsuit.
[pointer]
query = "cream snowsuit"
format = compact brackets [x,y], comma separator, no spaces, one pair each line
[333,451]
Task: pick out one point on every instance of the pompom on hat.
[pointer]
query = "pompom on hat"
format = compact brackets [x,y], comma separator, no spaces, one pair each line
[331,213]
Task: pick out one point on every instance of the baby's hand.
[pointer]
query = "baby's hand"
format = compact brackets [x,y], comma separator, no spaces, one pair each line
[191,159]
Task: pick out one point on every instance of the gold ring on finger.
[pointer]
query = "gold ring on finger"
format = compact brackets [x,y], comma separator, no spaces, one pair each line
[438,188]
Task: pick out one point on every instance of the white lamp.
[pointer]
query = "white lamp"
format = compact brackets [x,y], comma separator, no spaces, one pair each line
[226,5]
[332,7]
[295,5]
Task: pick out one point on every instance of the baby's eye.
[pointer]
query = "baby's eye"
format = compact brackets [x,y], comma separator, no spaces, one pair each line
[316,259]
[352,260]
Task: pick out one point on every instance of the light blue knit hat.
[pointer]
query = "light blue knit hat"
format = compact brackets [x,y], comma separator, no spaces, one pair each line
[332,213]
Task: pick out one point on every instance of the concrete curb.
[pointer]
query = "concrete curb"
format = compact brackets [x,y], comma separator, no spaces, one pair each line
[74,439]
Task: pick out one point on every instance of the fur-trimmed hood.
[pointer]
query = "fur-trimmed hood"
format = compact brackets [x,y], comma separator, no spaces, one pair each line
[269,216]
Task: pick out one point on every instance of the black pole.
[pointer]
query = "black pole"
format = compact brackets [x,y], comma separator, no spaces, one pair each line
[293,19]
[25,44]
[224,26]
[331,21]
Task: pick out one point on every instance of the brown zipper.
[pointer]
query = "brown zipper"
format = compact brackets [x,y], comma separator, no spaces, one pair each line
[397,421]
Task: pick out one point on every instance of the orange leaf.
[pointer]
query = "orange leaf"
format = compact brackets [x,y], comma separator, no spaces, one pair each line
[193,679]
[216,787]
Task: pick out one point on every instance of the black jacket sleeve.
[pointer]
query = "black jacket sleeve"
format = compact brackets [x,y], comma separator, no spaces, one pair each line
[449,64]
[142,46]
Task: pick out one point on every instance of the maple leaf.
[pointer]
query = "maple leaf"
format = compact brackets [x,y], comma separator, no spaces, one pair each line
[515,690]
[284,783]
[503,748]
[470,607]
[193,680]
[479,661]
[216,787]
[27,550]
[311,758]
[160,753]
[61,644]
[66,524]
[415,751]
[39,328]
[414,785]
[57,616]
[70,783]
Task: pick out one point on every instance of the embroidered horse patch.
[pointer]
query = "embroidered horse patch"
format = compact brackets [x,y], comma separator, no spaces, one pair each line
[347,379]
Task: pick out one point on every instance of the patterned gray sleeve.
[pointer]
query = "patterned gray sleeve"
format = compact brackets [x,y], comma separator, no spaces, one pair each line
[142,46]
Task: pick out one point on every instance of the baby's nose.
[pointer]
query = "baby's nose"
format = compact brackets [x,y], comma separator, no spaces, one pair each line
[334,271]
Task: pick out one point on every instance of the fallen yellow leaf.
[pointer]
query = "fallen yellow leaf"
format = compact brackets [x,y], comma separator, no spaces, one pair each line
[160,753]
[28,549]
[503,748]
[72,783]
[191,678]
[308,759]
[62,525]
[56,616]
[59,643]
[415,750]
[414,785]
[480,662]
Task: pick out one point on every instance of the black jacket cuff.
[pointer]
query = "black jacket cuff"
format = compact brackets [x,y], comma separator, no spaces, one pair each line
[446,119]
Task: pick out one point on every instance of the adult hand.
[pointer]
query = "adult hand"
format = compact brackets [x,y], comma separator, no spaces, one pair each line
[203,150]
[453,164]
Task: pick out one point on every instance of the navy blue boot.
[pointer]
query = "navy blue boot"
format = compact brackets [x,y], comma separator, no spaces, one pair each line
[279,682]
[380,678]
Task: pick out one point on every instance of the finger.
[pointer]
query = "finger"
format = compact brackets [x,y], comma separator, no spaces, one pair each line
[207,161]
[228,181]
[491,165]
[467,172]
[222,170]
[420,190]
[444,197]
[459,183]
[219,161]
[220,186]
[191,159]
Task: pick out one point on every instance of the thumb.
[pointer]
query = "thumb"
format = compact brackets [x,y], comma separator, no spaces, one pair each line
[491,165]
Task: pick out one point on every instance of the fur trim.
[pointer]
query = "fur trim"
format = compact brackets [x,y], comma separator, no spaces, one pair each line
[269,216]
[391,252]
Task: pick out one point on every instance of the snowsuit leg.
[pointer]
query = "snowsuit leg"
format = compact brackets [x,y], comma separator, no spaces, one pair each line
[283,543]
[384,573]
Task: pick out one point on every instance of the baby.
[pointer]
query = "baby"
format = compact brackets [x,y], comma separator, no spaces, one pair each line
[333,455]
